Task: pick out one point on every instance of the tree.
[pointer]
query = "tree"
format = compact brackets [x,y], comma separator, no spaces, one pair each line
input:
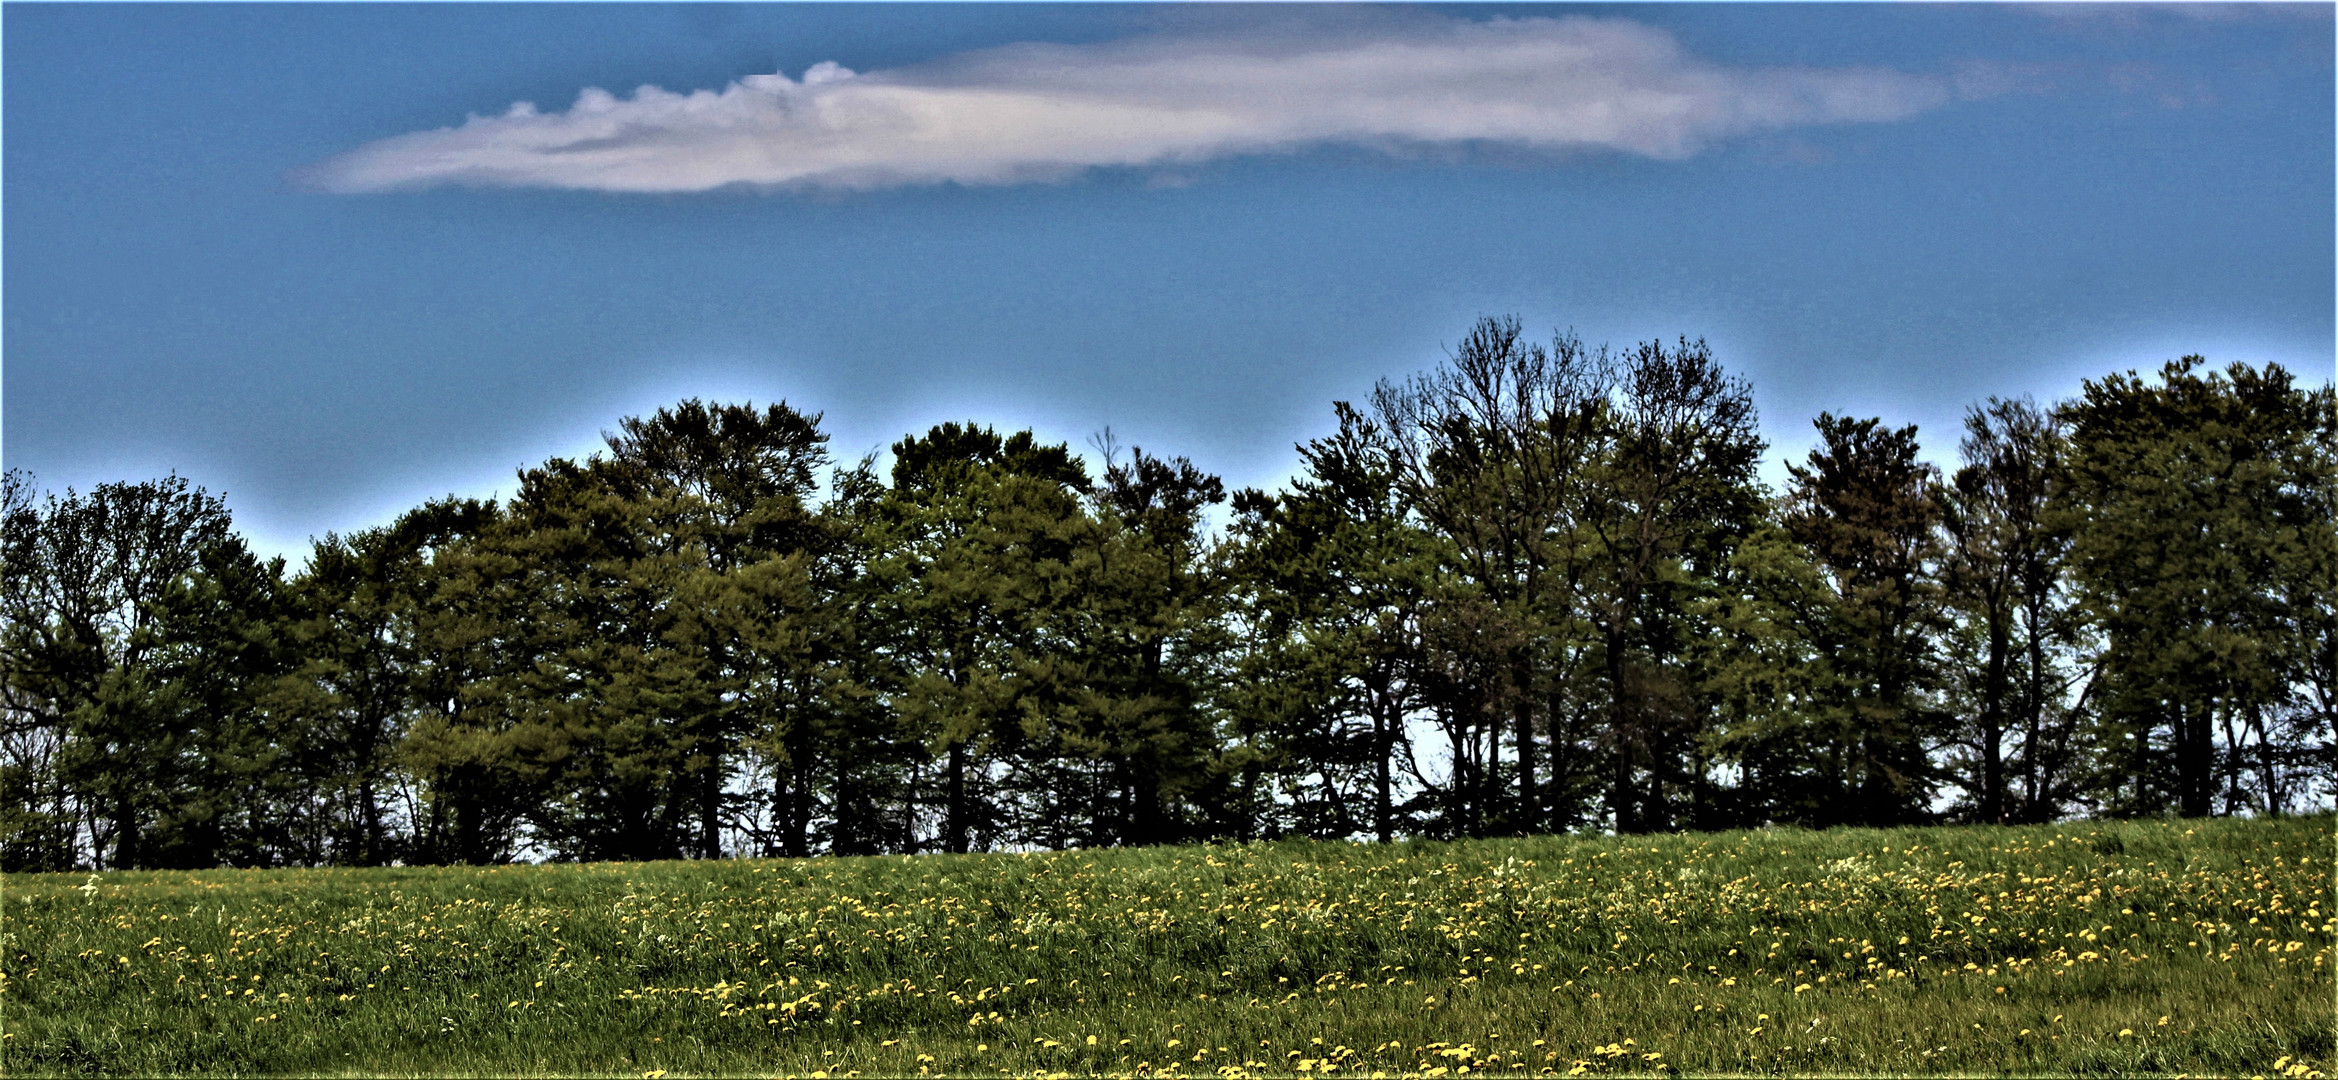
[241,781]
[476,754]
[1130,632]
[40,830]
[2199,512]
[1331,584]
[84,580]
[611,700]
[1671,495]
[838,750]
[732,486]
[352,628]
[2004,577]
[1490,451]
[2309,581]
[1585,495]
[1867,510]
[1767,665]
[971,531]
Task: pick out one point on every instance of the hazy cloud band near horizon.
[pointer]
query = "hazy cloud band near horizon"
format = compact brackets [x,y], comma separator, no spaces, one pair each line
[1040,111]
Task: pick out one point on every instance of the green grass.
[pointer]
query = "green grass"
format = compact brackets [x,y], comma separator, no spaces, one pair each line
[2098,948]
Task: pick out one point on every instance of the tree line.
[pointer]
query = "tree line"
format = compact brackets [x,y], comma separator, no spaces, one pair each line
[1540,587]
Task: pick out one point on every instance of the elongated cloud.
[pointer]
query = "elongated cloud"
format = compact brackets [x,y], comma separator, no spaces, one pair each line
[1034,112]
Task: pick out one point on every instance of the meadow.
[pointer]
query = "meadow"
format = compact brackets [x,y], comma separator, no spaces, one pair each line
[2195,947]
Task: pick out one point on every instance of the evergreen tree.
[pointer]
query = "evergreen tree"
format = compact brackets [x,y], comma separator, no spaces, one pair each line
[476,749]
[974,529]
[1868,511]
[351,630]
[1330,585]
[1776,684]
[240,777]
[731,488]
[1130,635]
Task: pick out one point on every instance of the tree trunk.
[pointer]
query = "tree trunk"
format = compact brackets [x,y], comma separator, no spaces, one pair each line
[844,837]
[1145,789]
[954,816]
[909,809]
[369,808]
[801,805]
[1622,798]
[2033,708]
[470,835]
[710,801]
[2276,800]
[125,837]
[2232,765]
[1384,748]
[1522,720]
[792,781]
[1993,695]
[2195,761]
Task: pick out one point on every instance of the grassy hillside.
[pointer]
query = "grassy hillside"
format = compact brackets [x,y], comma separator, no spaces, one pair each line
[2200,947]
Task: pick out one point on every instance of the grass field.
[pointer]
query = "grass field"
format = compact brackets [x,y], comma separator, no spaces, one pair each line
[2099,948]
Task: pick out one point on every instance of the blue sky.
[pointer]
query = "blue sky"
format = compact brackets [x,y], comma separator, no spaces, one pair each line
[310,256]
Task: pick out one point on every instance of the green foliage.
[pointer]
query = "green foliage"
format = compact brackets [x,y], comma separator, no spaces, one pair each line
[1587,500]
[2017,751]
[1330,584]
[1537,588]
[979,541]
[2201,518]
[1865,507]
[141,641]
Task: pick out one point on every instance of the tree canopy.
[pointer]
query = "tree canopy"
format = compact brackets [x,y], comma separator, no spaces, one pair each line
[1537,587]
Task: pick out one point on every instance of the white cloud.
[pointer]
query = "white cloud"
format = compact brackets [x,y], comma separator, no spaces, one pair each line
[1034,112]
